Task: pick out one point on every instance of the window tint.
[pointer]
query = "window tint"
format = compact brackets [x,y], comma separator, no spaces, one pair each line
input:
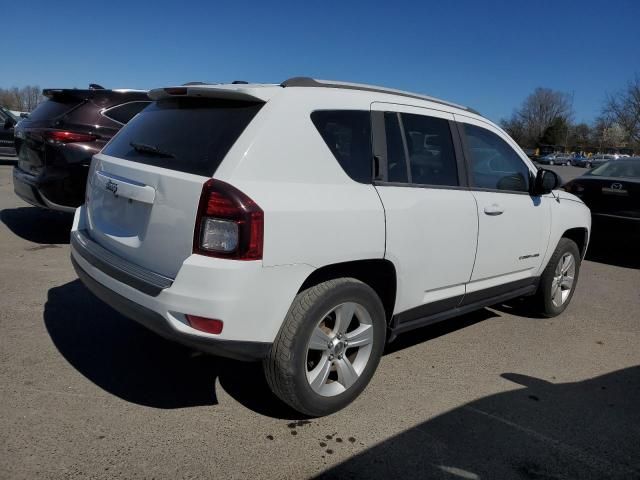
[347,133]
[432,158]
[396,160]
[125,112]
[193,135]
[51,108]
[494,163]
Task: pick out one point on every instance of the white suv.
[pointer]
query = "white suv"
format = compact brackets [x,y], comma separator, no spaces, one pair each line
[306,224]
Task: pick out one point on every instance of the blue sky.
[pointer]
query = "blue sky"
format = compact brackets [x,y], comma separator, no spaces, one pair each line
[489,55]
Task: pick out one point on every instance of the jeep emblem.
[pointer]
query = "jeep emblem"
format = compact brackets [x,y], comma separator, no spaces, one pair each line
[112,187]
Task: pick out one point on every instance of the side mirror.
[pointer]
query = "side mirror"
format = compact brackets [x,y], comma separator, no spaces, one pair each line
[8,124]
[545,182]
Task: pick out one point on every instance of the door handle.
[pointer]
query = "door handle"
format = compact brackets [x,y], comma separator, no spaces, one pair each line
[493,210]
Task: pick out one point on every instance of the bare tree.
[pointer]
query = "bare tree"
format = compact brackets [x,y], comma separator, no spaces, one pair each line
[515,128]
[540,110]
[580,136]
[31,97]
[623,109]
[24,99]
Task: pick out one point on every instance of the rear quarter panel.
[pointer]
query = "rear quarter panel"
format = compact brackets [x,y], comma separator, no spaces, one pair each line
[314,213]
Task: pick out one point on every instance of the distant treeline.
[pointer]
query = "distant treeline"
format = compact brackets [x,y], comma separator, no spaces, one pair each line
[23,99]
[545,119]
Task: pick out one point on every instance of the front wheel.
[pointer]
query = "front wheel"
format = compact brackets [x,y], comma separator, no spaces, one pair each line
[559,279]
[328,347]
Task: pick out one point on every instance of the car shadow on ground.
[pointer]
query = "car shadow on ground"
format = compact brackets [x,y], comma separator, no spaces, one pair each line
[37,224]
[546,430]
[617,245]
[128,361]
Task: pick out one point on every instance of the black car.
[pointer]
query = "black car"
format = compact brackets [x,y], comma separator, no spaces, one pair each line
[56,142]
[611,191]
[7,123]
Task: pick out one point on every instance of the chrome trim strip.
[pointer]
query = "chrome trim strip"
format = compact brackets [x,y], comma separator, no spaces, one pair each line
[116,267]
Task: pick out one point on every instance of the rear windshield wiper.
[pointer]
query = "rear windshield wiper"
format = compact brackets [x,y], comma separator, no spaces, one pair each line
[153,150]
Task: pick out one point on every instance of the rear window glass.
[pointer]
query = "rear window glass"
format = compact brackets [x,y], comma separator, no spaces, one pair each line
[125,112]
[51,109]
[190,135]
[347,133]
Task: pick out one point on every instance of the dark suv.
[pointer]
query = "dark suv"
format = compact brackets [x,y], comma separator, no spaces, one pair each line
[56,142]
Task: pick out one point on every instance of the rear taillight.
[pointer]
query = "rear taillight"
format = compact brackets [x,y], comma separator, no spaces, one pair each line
[64,136]
[229,224]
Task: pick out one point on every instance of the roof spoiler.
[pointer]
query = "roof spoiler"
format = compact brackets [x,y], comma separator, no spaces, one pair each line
[224,92]
[83,93]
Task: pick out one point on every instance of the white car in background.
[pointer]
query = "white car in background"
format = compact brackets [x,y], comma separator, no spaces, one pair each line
[306,224]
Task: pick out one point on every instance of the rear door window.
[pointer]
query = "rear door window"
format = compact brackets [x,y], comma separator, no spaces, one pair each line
[420,150]
[188,134]
[396,158]
[347,133]
[125,112]
[432,158]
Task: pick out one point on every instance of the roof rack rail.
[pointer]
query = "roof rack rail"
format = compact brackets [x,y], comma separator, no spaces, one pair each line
[312,82]
[194,83]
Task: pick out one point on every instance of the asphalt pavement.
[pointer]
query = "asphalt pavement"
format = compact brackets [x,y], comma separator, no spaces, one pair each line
[497,394]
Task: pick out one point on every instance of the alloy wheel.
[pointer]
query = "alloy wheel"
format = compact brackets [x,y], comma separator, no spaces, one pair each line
[339,349]
[563,279]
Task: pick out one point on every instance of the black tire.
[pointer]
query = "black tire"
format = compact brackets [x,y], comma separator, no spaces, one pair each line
[542,301]
[286,366]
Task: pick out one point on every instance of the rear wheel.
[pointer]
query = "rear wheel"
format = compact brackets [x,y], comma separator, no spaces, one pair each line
[328,348]
[550,162]
[559,279]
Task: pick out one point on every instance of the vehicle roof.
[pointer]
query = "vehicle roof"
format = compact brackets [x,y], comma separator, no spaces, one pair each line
[264,92]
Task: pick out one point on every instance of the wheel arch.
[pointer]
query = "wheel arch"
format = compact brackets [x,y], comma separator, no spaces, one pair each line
[580,235]
[379,274]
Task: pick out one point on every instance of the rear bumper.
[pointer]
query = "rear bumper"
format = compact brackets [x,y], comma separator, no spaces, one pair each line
[29,189]
[239,350]
[25,186]
[251,300]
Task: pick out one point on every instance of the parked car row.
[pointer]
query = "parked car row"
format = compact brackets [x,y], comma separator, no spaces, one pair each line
[303,224]
[555,159]
[577,160]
